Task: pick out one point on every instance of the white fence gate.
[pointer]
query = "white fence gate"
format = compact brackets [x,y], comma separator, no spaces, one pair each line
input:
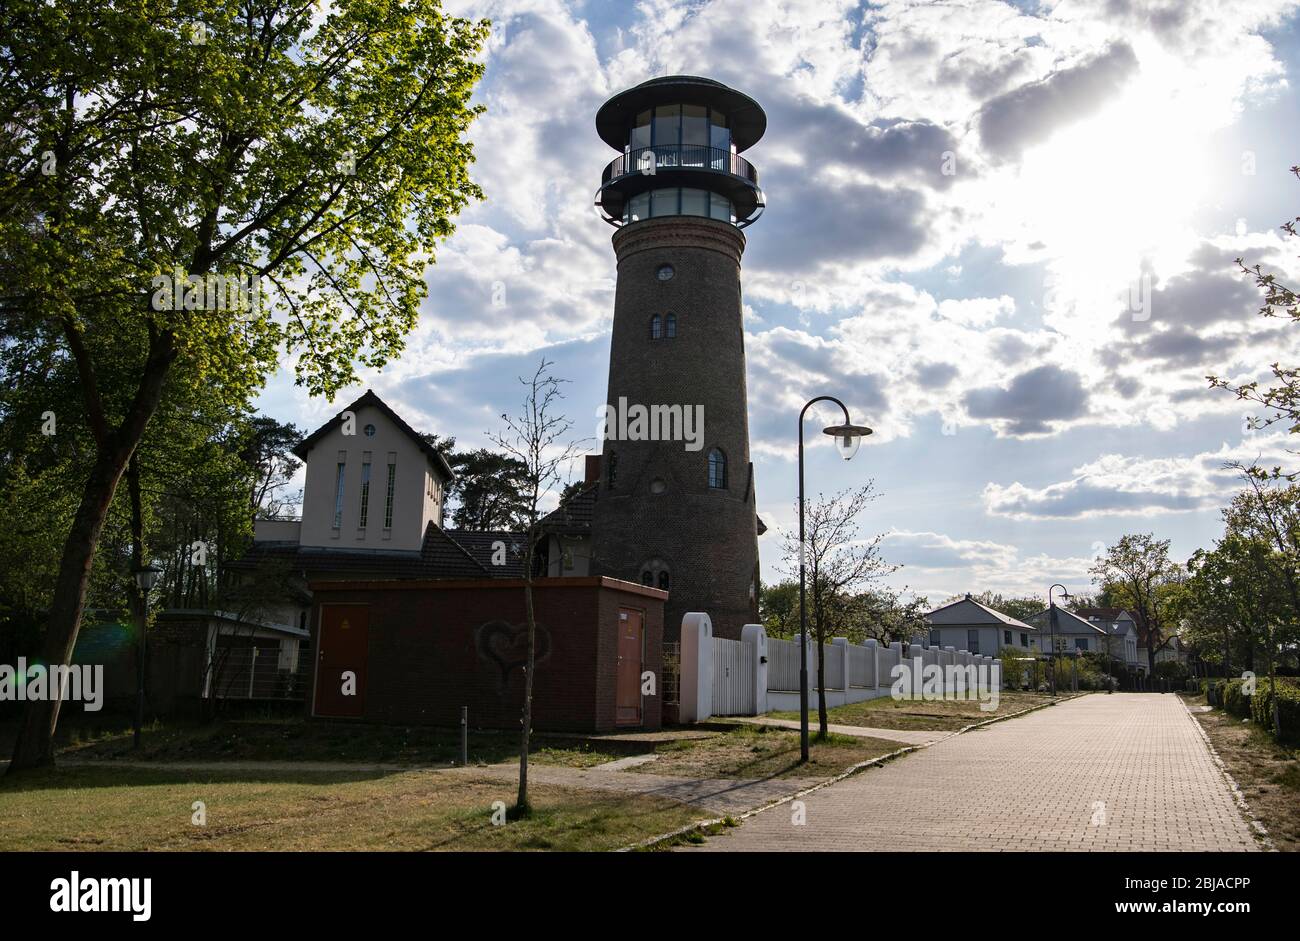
[734,693]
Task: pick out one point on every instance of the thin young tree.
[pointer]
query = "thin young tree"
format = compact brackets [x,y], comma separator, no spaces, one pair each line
[838,563]
[535,438]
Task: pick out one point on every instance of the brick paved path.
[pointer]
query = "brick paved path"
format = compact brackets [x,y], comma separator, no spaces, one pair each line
[1031,783]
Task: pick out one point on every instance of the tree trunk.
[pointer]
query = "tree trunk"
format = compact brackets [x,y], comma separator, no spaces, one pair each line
[35,745]
[821,685]
[521,800]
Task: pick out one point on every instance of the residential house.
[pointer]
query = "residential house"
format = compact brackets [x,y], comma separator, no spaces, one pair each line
[1122,634]
[966,624]
[1072,634]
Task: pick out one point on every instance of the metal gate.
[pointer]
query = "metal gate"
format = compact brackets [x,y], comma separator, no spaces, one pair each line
[733,678]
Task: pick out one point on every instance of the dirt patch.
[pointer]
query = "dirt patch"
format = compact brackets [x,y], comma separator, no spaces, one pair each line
[946,715]
[1267,773]
[758,751]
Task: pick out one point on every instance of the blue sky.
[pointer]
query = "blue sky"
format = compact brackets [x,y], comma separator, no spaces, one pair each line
[1028,335]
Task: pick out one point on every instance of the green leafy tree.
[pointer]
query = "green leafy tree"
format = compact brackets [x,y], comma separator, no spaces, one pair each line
[1137,572]
[778,608]
[490,491]
[189,192]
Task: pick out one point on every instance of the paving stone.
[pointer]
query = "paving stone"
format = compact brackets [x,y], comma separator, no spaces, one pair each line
[1102,772]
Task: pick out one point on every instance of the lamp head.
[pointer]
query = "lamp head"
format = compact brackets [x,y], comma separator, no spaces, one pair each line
[847,438]
[146,577]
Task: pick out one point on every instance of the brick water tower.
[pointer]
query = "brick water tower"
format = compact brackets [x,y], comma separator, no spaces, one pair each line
[680,513]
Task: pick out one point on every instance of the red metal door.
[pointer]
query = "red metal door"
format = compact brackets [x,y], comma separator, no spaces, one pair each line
[630,649]
[344,649]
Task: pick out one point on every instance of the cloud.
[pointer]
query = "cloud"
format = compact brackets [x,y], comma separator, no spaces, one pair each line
[938,566]
[1029,114]
[1115,484]
[1032,400]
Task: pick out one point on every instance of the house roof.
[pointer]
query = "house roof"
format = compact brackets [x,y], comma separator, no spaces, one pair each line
[1105,614]
[969,611]
[433,454]
[481,545]
[573,514]
[439,556]
[1067,622]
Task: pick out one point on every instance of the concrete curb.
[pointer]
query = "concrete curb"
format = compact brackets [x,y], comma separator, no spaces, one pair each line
[848,772]
[1261,833]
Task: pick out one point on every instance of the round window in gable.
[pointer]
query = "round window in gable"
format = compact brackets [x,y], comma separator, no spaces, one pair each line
[370,431]
[658,486]
[665,273]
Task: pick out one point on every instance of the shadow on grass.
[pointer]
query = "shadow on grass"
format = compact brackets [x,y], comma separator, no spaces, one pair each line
[82,777]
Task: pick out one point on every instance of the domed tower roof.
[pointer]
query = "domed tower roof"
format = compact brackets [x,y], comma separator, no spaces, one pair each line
[748,120]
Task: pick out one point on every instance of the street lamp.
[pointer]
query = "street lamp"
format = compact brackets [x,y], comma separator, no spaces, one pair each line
[1051,661]
[848,437]
[145,578]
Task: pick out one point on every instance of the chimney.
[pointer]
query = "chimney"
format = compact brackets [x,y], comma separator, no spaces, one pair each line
[592,469]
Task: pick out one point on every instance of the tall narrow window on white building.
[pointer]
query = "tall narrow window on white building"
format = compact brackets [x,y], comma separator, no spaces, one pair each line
[365,495]
[388,496]
[338,497]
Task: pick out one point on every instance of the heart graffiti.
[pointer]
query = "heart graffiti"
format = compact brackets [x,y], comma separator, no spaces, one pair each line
[506,646]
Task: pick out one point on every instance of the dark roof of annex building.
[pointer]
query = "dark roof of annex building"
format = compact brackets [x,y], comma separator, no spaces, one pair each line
[482,547]
[439,556]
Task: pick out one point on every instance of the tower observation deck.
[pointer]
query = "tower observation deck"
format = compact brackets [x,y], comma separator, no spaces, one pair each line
[680,139]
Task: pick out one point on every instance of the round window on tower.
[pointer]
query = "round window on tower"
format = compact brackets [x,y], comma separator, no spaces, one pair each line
[658,486]
[370,431]
[665,273]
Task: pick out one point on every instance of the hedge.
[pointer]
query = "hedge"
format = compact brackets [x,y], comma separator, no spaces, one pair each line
[1235,700]
[1288,707]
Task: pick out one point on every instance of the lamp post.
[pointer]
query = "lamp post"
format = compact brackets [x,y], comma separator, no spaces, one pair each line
[1051,661]
[848,437]
[145,577]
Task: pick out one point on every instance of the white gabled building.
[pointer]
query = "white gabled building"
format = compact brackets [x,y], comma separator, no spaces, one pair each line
[1073,634]
[1121,628]
[966,624]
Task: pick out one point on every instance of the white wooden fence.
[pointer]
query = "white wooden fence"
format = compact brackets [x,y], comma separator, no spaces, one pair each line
[733,678]
[756,674]
[782,664]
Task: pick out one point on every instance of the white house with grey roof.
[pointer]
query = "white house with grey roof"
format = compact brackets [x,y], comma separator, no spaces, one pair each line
[1073,634]
[966,624]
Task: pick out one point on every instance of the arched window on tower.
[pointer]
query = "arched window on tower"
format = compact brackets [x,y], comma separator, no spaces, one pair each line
[717,469]
[656,327]
[670,326]
[654,574]
[611,470]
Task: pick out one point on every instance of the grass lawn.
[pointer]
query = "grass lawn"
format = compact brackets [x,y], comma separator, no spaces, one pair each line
[296,739]
[106,808]
[756,751]
[1267,773]
[919,715]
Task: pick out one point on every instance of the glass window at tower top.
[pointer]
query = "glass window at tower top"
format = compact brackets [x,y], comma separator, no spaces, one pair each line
[678,201]
[674,127]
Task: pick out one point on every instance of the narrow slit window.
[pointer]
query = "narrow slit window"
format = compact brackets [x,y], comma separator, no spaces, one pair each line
[365,495]
[670,326]
[388,497]
[338,496]
[717,469]
[656,327]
